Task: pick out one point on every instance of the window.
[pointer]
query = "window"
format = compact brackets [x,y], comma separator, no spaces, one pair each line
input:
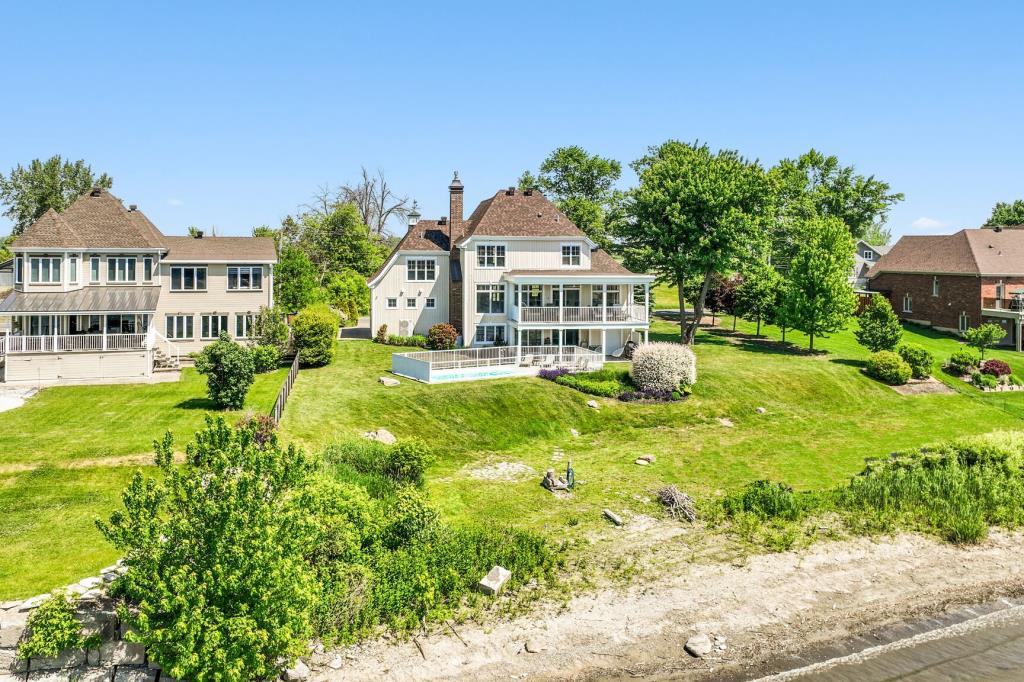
[126,324]
[490,298]
[120,269]
[965,322]
[570,254]
[94,269]
[243,325]
[179,327]
[430,304]
[604,294]
[40,325]
[147,269]
[245,278]
[188,278]
[44,270]
[489,333]
[213,325]
[908,303]
[420,269]
[935,286]
[410,303]
[73,269]
[19,263]
[490,255]
[869,255]
[392,303]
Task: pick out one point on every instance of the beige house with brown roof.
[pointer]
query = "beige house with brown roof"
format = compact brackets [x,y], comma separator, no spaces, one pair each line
[517,271]
[101,294]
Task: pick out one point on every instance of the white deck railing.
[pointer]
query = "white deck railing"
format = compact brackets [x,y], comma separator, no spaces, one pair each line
[420,364]
[70,343]
[580,315]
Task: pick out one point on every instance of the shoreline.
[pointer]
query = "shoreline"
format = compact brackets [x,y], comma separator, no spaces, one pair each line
[776,612]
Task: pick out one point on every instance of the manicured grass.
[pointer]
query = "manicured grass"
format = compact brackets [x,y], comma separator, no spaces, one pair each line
[68,423]
[824,417]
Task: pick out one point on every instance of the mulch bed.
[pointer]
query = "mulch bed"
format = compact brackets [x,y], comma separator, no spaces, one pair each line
[931,385]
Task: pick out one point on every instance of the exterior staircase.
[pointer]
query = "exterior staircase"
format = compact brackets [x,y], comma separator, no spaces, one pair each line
[164,363]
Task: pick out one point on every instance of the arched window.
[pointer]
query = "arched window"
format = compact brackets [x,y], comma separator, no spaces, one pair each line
[908,303]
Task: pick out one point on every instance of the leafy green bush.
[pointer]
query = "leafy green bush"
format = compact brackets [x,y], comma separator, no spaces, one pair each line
[963,360]
[984,336]
[314,331]
[265,358]
[54,627]
[607,388]
[409,516]
[270,329]
[878,327]
[888,367]
[766,500]
[442,336]
[988,381]
[348,293]
[404,462]
[1015,380]
[919,359]
[417,340]
[229,370]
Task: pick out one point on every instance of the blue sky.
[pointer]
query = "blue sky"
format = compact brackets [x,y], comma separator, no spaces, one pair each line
[232,116]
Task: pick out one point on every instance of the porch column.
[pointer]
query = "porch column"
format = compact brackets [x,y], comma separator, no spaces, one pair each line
[1020,325]
[604,351]
[519,345]
[104,327]
[646,332]
[647,302]
[604,308]
[561,295]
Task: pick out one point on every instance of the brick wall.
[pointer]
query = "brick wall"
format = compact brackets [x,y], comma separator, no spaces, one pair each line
[455,233]
[957,293]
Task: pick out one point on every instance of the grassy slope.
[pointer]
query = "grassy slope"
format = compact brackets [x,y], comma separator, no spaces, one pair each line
[824,417]
[47,512]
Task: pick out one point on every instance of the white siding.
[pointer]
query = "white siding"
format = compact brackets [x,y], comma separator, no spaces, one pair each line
[393,283]
[56,366]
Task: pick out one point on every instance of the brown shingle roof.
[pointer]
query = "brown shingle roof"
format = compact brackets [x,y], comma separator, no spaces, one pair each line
[239,249]
[519,215]
[968,252]
[95,220]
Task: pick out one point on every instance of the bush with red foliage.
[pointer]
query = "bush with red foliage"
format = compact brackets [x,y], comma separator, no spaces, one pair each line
[996,368]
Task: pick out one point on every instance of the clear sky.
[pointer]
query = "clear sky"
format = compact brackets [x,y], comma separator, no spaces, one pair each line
[231,116]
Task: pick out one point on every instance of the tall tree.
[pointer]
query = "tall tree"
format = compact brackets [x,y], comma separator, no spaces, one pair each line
[696,213]
[374,199]
[30,192]
[335,241]
[821,299]
[833,190]
[582,186]
[756,294]
[1007,213]
[295,280]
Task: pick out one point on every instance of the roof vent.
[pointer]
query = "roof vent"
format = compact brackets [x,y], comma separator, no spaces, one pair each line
[95,191]
[443,220]
[133,207]
[997,228]
[198,234]
[528,192]
[510,191]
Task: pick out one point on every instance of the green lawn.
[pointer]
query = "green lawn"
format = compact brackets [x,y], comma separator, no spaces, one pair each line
[62,466]
[823,418]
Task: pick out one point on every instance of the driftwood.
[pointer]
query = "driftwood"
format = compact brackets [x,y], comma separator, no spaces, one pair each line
[678,504]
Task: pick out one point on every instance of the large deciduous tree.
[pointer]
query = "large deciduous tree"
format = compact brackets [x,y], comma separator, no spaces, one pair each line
[756,294]
[696,213]
[30,192]
[582,186]
[335,241]
[295,280]
[1004,213]
[821,300]
[376,201]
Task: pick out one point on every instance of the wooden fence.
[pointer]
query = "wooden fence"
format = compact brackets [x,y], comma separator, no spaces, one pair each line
[282,396]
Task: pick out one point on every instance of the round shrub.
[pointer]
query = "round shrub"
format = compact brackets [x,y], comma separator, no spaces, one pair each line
[964,360]
[996,368]
[314,330]
[229,371]
[442,336]
[663,366]
[988,381]
[919,359]
[265,358]
[889,368]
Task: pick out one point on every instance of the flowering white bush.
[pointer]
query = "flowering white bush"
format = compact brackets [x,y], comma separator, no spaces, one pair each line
[663,366]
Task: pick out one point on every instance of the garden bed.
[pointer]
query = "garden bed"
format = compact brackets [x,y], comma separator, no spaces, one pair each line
[609,382]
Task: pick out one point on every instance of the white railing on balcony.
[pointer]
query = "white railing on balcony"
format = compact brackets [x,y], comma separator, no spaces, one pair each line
[580,315]
[420,364]
[70,343]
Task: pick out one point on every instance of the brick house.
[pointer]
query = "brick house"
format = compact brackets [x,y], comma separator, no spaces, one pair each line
[953,282]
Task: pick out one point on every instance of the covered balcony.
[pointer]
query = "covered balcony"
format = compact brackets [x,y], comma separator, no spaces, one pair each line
[580,304]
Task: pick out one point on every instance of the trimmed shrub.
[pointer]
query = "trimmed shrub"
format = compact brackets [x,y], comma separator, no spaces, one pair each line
[606,388]
[988,381]
[315,329]
[889,368]
[229,371]
[996,368]
[663,366]
[963,360]
[442,336]
[417,340]
[919,359]
[878,326]
[270,329]
[265,358]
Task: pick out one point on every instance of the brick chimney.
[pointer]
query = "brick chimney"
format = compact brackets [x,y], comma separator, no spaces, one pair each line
[455,233]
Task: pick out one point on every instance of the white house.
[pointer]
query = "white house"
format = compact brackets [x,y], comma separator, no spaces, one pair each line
[100,293]
[517,271]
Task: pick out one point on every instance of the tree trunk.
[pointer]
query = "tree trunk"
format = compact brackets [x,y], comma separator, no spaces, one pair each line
[682,310]
[734,321]
[758,332]
[783,334]
[811,347]
[698,309]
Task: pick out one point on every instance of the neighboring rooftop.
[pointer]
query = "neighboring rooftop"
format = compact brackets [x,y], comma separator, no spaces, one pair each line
[191,249]
[983,251]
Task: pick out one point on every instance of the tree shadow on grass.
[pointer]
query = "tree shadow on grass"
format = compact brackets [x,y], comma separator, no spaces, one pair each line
[849,362]
[198,404]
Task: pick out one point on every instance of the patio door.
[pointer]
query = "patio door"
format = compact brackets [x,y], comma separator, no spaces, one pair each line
[572,337]
[572,297]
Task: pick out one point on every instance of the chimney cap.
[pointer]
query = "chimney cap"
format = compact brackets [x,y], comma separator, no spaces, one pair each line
[443,220]
[511,190]
[133,207]
[456,185]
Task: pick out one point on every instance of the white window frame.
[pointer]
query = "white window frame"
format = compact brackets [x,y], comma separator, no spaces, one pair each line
[491,290]
[569,256]
[416,266]
[206,323]
[935,286]
[908,303]
[182,327]
[964,322]
[35,267]
[430,303]
[121,268]
[195,277]
[72,269]
[869,255]
[245,322]
[408,300]
[495,331]
[19,265]
[253,271]
[389,301]
[94,270]
[491,256]
[147,265]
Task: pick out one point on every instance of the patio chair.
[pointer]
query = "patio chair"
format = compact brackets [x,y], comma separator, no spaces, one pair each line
[526,361]
[548,361]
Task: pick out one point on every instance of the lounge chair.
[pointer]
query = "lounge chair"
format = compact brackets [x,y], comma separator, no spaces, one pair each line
[526,361]
[548,361]
[618,353]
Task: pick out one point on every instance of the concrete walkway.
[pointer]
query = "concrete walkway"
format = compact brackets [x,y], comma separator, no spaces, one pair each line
[360,331]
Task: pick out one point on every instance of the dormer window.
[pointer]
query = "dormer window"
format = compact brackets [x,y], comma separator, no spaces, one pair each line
[571,255]
[869,255]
